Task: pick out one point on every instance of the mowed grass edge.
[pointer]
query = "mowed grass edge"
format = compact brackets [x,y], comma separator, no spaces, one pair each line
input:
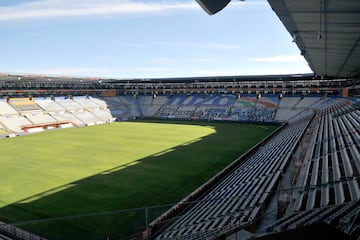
[111,167]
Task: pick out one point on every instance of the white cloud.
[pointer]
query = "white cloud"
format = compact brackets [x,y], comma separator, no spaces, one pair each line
[280,58]
[246,4]
[67,71]
[205,60]
[221,46]
[41,9]
[214,73]
[152,69]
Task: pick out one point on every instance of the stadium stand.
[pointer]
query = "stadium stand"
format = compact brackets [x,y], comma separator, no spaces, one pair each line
[39,117]
[149,106]
[6,109]
[211,107]
[14,122]
[341,215]
[328,182]
[332,161]
[85,102]
[239,198]
[3,132]
[324,186]
[131,106]
[48,113]
[8,232]
[23,104]
[68,104]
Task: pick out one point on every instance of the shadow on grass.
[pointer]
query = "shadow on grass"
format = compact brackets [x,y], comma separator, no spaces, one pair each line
[161,179]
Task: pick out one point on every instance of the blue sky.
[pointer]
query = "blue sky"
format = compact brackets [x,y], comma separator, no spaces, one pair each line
[144,39]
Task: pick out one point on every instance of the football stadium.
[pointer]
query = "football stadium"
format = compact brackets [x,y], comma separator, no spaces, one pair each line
[218,157]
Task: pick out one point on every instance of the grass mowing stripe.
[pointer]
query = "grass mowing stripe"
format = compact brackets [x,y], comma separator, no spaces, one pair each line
[40,162]
[111,167]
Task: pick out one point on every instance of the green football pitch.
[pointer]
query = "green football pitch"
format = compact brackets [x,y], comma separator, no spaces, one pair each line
[95,182]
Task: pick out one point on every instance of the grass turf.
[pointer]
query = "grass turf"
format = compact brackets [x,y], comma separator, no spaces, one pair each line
[112,167]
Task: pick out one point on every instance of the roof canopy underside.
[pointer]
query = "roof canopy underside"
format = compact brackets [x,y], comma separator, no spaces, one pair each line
[327,33]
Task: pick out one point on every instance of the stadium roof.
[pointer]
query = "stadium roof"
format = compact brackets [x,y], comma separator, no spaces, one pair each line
[327,32]
[43,78]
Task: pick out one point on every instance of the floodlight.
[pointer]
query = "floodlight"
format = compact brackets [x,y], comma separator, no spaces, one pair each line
[213,6]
